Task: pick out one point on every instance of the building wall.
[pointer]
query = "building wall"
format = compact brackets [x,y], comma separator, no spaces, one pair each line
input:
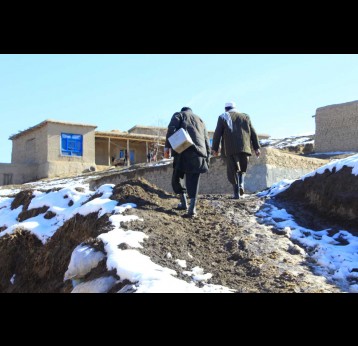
[272,167]
[58,169]
[18,173]
[31,147]
[140,154]
[37,154]
[101,156]
[54,143]
[58,165]
[337,128]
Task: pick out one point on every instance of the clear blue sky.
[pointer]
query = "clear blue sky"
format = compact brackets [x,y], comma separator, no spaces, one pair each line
[280,92]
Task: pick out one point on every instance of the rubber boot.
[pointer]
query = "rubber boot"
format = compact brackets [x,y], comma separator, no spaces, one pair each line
[192,208]
[183,205]
[236,191]
[241,183]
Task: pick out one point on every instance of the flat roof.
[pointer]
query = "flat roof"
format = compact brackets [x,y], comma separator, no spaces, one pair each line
[337,105]
[45,122]
[126,135]
[146,127]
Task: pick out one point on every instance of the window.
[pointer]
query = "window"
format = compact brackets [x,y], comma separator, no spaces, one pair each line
[7,179]
[211,142]
[71,145]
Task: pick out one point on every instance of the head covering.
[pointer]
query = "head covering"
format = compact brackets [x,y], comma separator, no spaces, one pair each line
[230,104]
[186,109]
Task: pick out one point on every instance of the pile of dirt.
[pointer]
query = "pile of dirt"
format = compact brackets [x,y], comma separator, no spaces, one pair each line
[18,253]
[330,198]
[141,192]
[22,198]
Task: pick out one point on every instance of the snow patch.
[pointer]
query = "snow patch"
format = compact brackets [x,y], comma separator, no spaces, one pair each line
[83,259]
[101,285]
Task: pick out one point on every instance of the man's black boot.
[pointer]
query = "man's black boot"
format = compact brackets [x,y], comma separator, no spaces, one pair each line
[192,208]
[183,205]
[236,191]
[241,183]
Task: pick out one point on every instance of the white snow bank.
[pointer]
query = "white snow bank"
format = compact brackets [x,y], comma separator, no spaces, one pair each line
[83,259]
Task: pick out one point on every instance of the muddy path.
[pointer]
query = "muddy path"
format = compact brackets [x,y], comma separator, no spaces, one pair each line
[228,241]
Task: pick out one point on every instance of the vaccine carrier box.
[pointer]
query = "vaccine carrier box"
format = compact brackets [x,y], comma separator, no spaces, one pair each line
[180,140]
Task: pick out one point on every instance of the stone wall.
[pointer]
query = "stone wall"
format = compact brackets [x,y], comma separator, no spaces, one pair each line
[337,128]
[273,166]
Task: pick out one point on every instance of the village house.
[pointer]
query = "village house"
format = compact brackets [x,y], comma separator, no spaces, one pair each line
[54,148]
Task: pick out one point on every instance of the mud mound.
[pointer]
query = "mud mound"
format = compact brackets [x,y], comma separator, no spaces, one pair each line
[53,262]
[331,195]
[22,198]
[27,214]
[18,252]
[141,192]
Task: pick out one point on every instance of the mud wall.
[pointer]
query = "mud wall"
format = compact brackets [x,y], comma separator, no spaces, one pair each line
[17,173]
[337,128]
[273,166]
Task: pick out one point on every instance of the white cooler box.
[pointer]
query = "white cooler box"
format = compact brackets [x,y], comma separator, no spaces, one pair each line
[180,140]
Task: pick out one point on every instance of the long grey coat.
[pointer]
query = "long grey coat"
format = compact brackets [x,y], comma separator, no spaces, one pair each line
[195,158]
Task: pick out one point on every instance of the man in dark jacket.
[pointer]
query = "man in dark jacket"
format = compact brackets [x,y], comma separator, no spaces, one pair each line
[191,162]
[236,134]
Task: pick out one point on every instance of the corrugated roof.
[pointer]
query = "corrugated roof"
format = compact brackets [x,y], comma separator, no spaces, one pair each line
[43,123]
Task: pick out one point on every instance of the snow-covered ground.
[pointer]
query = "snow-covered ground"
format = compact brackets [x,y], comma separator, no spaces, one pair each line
[130,264]
[336,262]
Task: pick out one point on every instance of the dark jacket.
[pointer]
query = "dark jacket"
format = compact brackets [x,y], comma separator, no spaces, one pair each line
[236,132]
[195,158]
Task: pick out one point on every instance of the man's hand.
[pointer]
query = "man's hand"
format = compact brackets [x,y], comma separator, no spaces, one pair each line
[166,153]
[257,152]
[214,153]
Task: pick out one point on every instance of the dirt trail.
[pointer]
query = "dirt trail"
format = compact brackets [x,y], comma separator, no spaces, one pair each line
[226,240]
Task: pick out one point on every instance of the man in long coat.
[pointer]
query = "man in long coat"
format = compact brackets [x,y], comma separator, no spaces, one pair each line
[191,162]
[236,133]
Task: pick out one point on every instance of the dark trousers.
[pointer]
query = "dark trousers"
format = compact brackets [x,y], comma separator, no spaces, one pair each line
[236,164]
[186,182]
